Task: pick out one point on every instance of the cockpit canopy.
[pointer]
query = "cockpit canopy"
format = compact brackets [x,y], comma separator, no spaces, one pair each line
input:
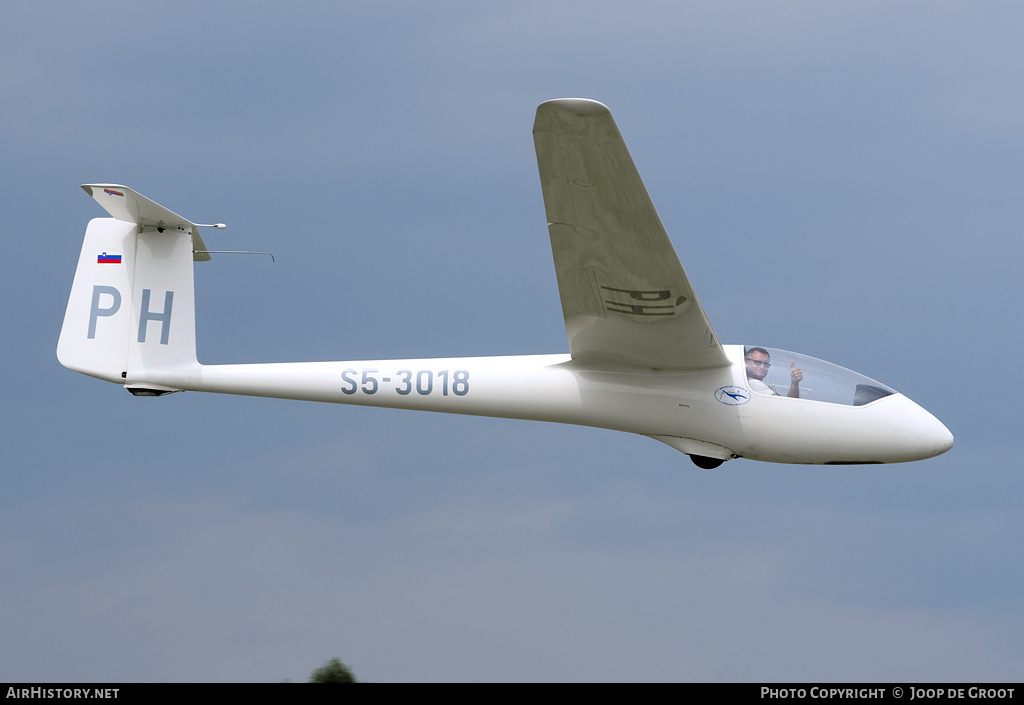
[771,372]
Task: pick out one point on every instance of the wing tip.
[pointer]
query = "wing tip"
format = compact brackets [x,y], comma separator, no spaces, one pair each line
[570,115]
[582,107]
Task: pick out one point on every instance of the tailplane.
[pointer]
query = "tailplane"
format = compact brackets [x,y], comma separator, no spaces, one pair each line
[131,315]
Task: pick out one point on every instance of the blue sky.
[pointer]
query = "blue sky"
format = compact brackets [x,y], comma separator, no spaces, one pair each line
[839,179]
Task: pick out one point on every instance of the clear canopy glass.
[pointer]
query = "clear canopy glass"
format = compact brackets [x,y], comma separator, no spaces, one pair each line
[774,372]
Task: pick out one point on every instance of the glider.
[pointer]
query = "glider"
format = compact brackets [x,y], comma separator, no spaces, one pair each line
[643,357]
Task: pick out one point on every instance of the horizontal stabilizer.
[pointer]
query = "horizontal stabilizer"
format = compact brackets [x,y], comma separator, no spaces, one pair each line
[132,207]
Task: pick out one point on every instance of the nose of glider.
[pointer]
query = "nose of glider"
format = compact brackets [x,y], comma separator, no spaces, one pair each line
[943,438]
[924,434]
[937,438]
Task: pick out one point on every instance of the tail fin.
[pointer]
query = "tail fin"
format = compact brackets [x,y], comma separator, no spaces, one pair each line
[131,315]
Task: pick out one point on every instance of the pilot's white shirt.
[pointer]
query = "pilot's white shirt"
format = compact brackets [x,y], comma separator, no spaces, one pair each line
[758,386]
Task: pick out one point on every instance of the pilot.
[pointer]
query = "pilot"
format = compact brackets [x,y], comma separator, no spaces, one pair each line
[758,361]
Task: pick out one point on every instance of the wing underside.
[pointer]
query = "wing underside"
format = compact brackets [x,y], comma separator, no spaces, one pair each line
[625,296]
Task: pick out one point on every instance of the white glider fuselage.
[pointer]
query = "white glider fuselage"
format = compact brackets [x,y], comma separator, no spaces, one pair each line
[678,408]
[643,357]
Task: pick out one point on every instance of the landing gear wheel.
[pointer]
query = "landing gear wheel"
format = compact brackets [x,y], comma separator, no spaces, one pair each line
[706,463]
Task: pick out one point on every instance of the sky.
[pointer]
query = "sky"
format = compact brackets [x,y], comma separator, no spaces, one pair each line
[839,179]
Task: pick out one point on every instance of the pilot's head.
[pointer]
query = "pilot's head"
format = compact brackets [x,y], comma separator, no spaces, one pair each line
[758,362]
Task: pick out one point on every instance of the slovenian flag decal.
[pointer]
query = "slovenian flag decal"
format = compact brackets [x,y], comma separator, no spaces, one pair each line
[108,259]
